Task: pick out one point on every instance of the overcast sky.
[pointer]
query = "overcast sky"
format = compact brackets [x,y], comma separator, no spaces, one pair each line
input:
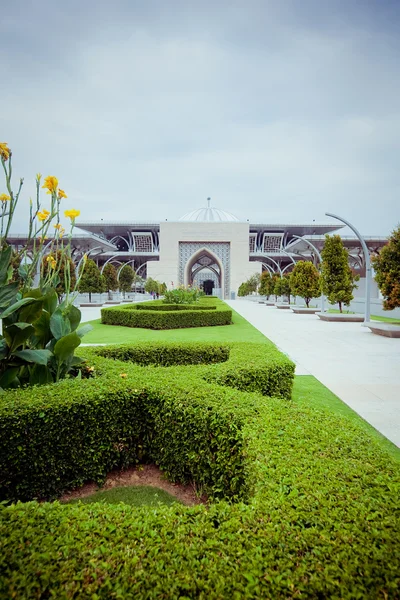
[279,110]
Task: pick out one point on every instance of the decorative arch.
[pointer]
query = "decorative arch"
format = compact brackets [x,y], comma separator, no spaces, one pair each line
[196,256]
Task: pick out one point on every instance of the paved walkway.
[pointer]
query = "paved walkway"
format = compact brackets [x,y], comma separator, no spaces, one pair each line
[361,368]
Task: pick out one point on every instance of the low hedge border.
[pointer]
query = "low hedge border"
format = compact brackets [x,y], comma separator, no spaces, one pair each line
[169,307]
[316,512]
[133,316]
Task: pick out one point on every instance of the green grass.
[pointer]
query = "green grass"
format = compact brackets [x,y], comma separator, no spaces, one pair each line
[135,495]
[373,317]
[308,391]
[240,331]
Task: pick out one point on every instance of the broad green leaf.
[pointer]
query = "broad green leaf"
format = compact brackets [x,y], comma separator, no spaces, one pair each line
[16,306]
[65,347]
[50,301]
[74,316]
[59,325]
[77,360]
[31,312]
[42,330]
[8,377]
[40,375]
[8,294]
[84,330]
[39,357]
[5,257]
[17,334]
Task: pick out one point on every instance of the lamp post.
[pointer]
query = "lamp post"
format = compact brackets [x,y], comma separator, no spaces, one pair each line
[320,260]
[367,266]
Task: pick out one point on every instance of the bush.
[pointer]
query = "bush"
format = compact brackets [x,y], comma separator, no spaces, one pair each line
[315,511]
[54,438]
[178,317]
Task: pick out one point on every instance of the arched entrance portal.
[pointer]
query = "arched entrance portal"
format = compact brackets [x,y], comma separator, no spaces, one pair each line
[208,287]
[204,269]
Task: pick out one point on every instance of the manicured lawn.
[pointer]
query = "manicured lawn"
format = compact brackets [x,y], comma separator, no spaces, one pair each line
[308,391]
[135,495]
[240,331]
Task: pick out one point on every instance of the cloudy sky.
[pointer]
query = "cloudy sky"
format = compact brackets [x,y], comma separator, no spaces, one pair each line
[279,110]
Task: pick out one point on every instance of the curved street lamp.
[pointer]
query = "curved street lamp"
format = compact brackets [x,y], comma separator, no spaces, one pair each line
[367,316]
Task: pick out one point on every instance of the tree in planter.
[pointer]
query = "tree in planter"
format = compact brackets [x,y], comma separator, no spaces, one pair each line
[126,278]
[65,269]
[110,278]
[387,271]
[151,286]
[267,284]
[282,287]
[337,279]
[162,288]
[91,281]
[305,281]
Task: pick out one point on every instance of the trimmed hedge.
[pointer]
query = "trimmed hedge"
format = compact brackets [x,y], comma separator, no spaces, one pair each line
[154,316]
[56,437]
[315,511]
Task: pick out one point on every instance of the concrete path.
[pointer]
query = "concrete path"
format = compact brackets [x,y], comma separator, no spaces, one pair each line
[361,368]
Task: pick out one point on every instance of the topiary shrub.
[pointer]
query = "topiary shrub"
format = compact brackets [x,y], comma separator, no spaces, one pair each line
[178,317]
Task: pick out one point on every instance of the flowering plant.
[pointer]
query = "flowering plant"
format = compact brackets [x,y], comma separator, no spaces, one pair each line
[40,334]
[182,295]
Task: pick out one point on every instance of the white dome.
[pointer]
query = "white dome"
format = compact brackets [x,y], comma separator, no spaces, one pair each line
[209,214]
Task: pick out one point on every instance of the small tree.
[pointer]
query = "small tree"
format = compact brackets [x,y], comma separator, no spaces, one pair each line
[387,271]
[110,277]
[126,278]
[162,288]
[92,282]
[60,269]
[337,279]
[267,284]
[151,286]
[305,281]
[282,287]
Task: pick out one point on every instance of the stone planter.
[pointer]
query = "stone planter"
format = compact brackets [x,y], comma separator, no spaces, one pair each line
[90,304]
[385,329]
[304,310]
[282,306]
[340,317]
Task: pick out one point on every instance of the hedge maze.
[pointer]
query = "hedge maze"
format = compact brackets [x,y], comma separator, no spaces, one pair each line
[302,503]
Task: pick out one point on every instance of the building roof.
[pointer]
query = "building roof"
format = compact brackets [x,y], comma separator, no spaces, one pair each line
[209,214]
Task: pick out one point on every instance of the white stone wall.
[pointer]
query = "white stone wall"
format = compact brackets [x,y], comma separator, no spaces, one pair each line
[171,233]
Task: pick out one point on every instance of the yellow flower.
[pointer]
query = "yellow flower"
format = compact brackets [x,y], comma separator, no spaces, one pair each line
[53,263]
[42,216]
[123,375]
[72,214]
[61,193]
[4,198]
[85,257]
[50,184]
[4,151]
[57,226]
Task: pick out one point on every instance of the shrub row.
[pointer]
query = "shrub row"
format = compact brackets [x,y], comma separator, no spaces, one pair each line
[168,307]
[56,437]
[181,316]
[316,512]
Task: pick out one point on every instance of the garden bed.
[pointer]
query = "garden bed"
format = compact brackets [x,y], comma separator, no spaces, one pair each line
[158,315]
[304,501]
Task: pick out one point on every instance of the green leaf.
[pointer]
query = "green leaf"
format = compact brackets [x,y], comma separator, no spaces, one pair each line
[84,330]
[59,325]
[16,306]
[40,375]
[74,316]
[42,330]
[3,348]
[8,377]
[65,347]
[50,301]
[8,294]
[32,311]
[39,357]
[5,257]
[17,334]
